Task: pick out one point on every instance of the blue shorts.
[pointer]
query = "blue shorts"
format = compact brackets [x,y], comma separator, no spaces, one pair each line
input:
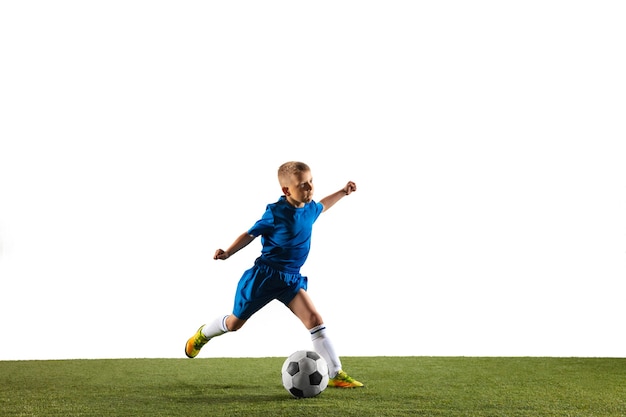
[261,284]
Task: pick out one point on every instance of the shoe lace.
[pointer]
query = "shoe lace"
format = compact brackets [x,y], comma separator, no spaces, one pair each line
[342,376]
[199,341]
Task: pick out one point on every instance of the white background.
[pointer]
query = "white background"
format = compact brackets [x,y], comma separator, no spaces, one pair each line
[485,137]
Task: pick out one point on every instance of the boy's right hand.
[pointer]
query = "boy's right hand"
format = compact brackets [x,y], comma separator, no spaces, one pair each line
[221,254]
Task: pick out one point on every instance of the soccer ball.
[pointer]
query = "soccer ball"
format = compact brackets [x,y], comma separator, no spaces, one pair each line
[305,374]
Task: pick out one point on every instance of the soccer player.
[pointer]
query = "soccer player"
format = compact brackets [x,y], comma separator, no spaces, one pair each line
[285,229]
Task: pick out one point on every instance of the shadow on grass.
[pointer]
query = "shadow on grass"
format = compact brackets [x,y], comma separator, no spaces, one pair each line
[227,394]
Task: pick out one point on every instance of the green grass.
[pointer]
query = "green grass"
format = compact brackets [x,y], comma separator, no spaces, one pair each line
[395,386]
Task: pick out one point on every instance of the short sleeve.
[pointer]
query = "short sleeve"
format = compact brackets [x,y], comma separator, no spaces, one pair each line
[264,225]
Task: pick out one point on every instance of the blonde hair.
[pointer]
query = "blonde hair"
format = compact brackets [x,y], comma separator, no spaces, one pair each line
[286,170]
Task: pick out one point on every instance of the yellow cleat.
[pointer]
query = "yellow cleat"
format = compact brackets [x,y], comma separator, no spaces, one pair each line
[342,380]
[195,343]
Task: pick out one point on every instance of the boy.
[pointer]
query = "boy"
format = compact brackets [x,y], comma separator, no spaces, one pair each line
[285,231]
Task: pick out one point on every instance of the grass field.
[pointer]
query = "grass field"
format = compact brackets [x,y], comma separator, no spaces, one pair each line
[395,386]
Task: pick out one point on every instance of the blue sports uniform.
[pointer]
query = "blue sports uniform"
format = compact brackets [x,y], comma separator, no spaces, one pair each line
[286,238]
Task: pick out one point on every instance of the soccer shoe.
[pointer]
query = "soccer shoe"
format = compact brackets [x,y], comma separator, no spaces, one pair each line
[343,380]
[195,343]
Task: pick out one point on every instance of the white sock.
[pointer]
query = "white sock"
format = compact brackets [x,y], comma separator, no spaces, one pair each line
[323,346]
[216,328]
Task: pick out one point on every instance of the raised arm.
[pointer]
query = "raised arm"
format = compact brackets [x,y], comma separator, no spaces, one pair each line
[241,242]
[331,199]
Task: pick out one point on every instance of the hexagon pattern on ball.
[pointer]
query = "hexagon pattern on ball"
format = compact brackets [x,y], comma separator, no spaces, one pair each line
[305,374]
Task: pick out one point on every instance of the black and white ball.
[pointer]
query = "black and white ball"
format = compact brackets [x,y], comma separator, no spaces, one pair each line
[305,374]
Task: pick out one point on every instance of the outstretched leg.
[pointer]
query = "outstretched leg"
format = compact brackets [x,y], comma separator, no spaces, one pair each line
[302,306]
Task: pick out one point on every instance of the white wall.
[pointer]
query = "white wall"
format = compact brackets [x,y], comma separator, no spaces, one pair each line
[485,139]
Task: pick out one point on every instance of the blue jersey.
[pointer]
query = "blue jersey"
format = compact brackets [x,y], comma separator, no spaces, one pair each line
[286,233]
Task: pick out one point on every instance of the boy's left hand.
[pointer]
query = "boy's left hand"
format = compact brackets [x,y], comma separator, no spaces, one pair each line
[349,188]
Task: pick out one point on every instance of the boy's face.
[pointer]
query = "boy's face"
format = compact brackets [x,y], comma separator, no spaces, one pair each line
[299,189]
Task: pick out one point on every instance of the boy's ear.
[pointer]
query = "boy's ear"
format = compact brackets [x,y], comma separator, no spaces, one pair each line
[285,190]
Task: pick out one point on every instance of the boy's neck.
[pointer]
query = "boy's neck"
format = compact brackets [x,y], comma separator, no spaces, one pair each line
[293,203]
